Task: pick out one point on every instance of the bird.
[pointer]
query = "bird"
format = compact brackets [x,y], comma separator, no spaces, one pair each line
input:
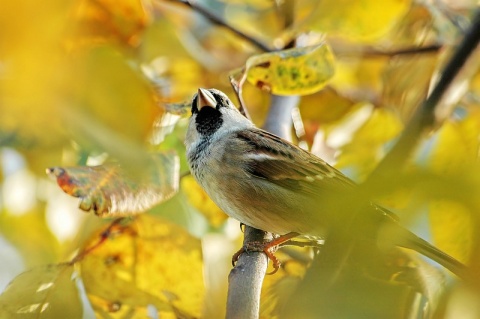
[271,184]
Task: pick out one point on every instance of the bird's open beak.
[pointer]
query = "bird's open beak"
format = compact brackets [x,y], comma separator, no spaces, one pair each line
[205,98]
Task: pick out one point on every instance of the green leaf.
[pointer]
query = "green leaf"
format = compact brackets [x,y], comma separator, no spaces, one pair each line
[46,292]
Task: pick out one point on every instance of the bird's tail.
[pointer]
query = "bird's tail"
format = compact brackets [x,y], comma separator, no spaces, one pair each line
[411,241]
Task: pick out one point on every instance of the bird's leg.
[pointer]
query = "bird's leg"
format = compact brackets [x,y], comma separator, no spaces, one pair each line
[268,248]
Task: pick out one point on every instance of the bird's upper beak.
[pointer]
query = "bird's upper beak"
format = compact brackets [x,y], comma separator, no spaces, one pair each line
[205,98]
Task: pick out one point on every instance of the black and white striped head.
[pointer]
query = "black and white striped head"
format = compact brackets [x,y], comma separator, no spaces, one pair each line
[213,112]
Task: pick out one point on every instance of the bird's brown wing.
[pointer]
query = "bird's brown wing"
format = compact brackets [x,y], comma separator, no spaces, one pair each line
[289,166]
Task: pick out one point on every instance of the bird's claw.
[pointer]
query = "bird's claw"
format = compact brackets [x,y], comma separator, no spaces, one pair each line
[268,248]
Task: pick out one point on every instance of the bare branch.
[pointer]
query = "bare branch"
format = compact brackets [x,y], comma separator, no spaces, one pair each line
[246,279]
[220,22]
[372,52]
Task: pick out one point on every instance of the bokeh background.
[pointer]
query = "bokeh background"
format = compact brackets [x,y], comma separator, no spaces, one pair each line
[92,82]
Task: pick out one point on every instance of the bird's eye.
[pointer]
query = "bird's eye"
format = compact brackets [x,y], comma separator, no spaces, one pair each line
[221,101]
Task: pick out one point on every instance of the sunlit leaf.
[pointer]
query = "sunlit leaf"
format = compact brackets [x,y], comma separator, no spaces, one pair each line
[111,190]
[200,200]
[399,91]
[46,292]
[109,21]
[356,20]
[461,136]
[91,89]
[325,106]
[367,145]
[359,78]
[173,78]
[26,229]
[452,230]
[278,289]
[456,149]
[414,29]
[297,71]
[149,262]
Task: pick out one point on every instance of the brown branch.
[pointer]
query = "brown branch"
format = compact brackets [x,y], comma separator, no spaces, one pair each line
[220,22]
[101,240]
[372,52]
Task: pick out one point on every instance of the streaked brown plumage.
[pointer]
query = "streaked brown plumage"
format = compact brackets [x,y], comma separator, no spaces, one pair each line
[271,184]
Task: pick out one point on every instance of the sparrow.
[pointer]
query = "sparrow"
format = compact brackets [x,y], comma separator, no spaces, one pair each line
[268,183]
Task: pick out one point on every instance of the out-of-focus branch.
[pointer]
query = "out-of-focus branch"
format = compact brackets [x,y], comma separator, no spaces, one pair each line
[424,116]
[220,22]
[372,52]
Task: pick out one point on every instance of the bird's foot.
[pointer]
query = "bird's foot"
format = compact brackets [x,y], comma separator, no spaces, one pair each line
[268,248]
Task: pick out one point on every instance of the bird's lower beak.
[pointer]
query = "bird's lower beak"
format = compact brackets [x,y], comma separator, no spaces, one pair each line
[205,98]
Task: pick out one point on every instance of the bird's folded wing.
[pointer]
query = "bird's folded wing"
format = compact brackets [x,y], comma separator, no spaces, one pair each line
[285,164]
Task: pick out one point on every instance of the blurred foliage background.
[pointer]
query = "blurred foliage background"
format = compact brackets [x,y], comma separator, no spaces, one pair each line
[91,82]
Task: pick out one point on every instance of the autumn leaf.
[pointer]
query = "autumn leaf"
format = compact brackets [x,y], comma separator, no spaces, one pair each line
[109,190]
[452,229]
[200,200]
[366,147]
[451,221]
[149,262]
[109,21]
[297,71]
[46,292]
[399,91]
[361,21]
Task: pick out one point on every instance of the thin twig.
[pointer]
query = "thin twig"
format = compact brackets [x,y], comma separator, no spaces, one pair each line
[372,52]
[237,85]
[101,240]
[220,22]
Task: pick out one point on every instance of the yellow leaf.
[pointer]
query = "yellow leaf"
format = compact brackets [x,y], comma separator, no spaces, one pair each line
[150,262]
[463,138]
[354,74]
[365,20]
[297,71]
[325,107]
[366,147]
[277,290]
[46,292]
[119,22]
[402,93]
[200,200]
[452,228]
[454,153]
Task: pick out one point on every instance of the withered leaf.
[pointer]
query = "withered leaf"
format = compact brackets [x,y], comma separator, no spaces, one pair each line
[110,190]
